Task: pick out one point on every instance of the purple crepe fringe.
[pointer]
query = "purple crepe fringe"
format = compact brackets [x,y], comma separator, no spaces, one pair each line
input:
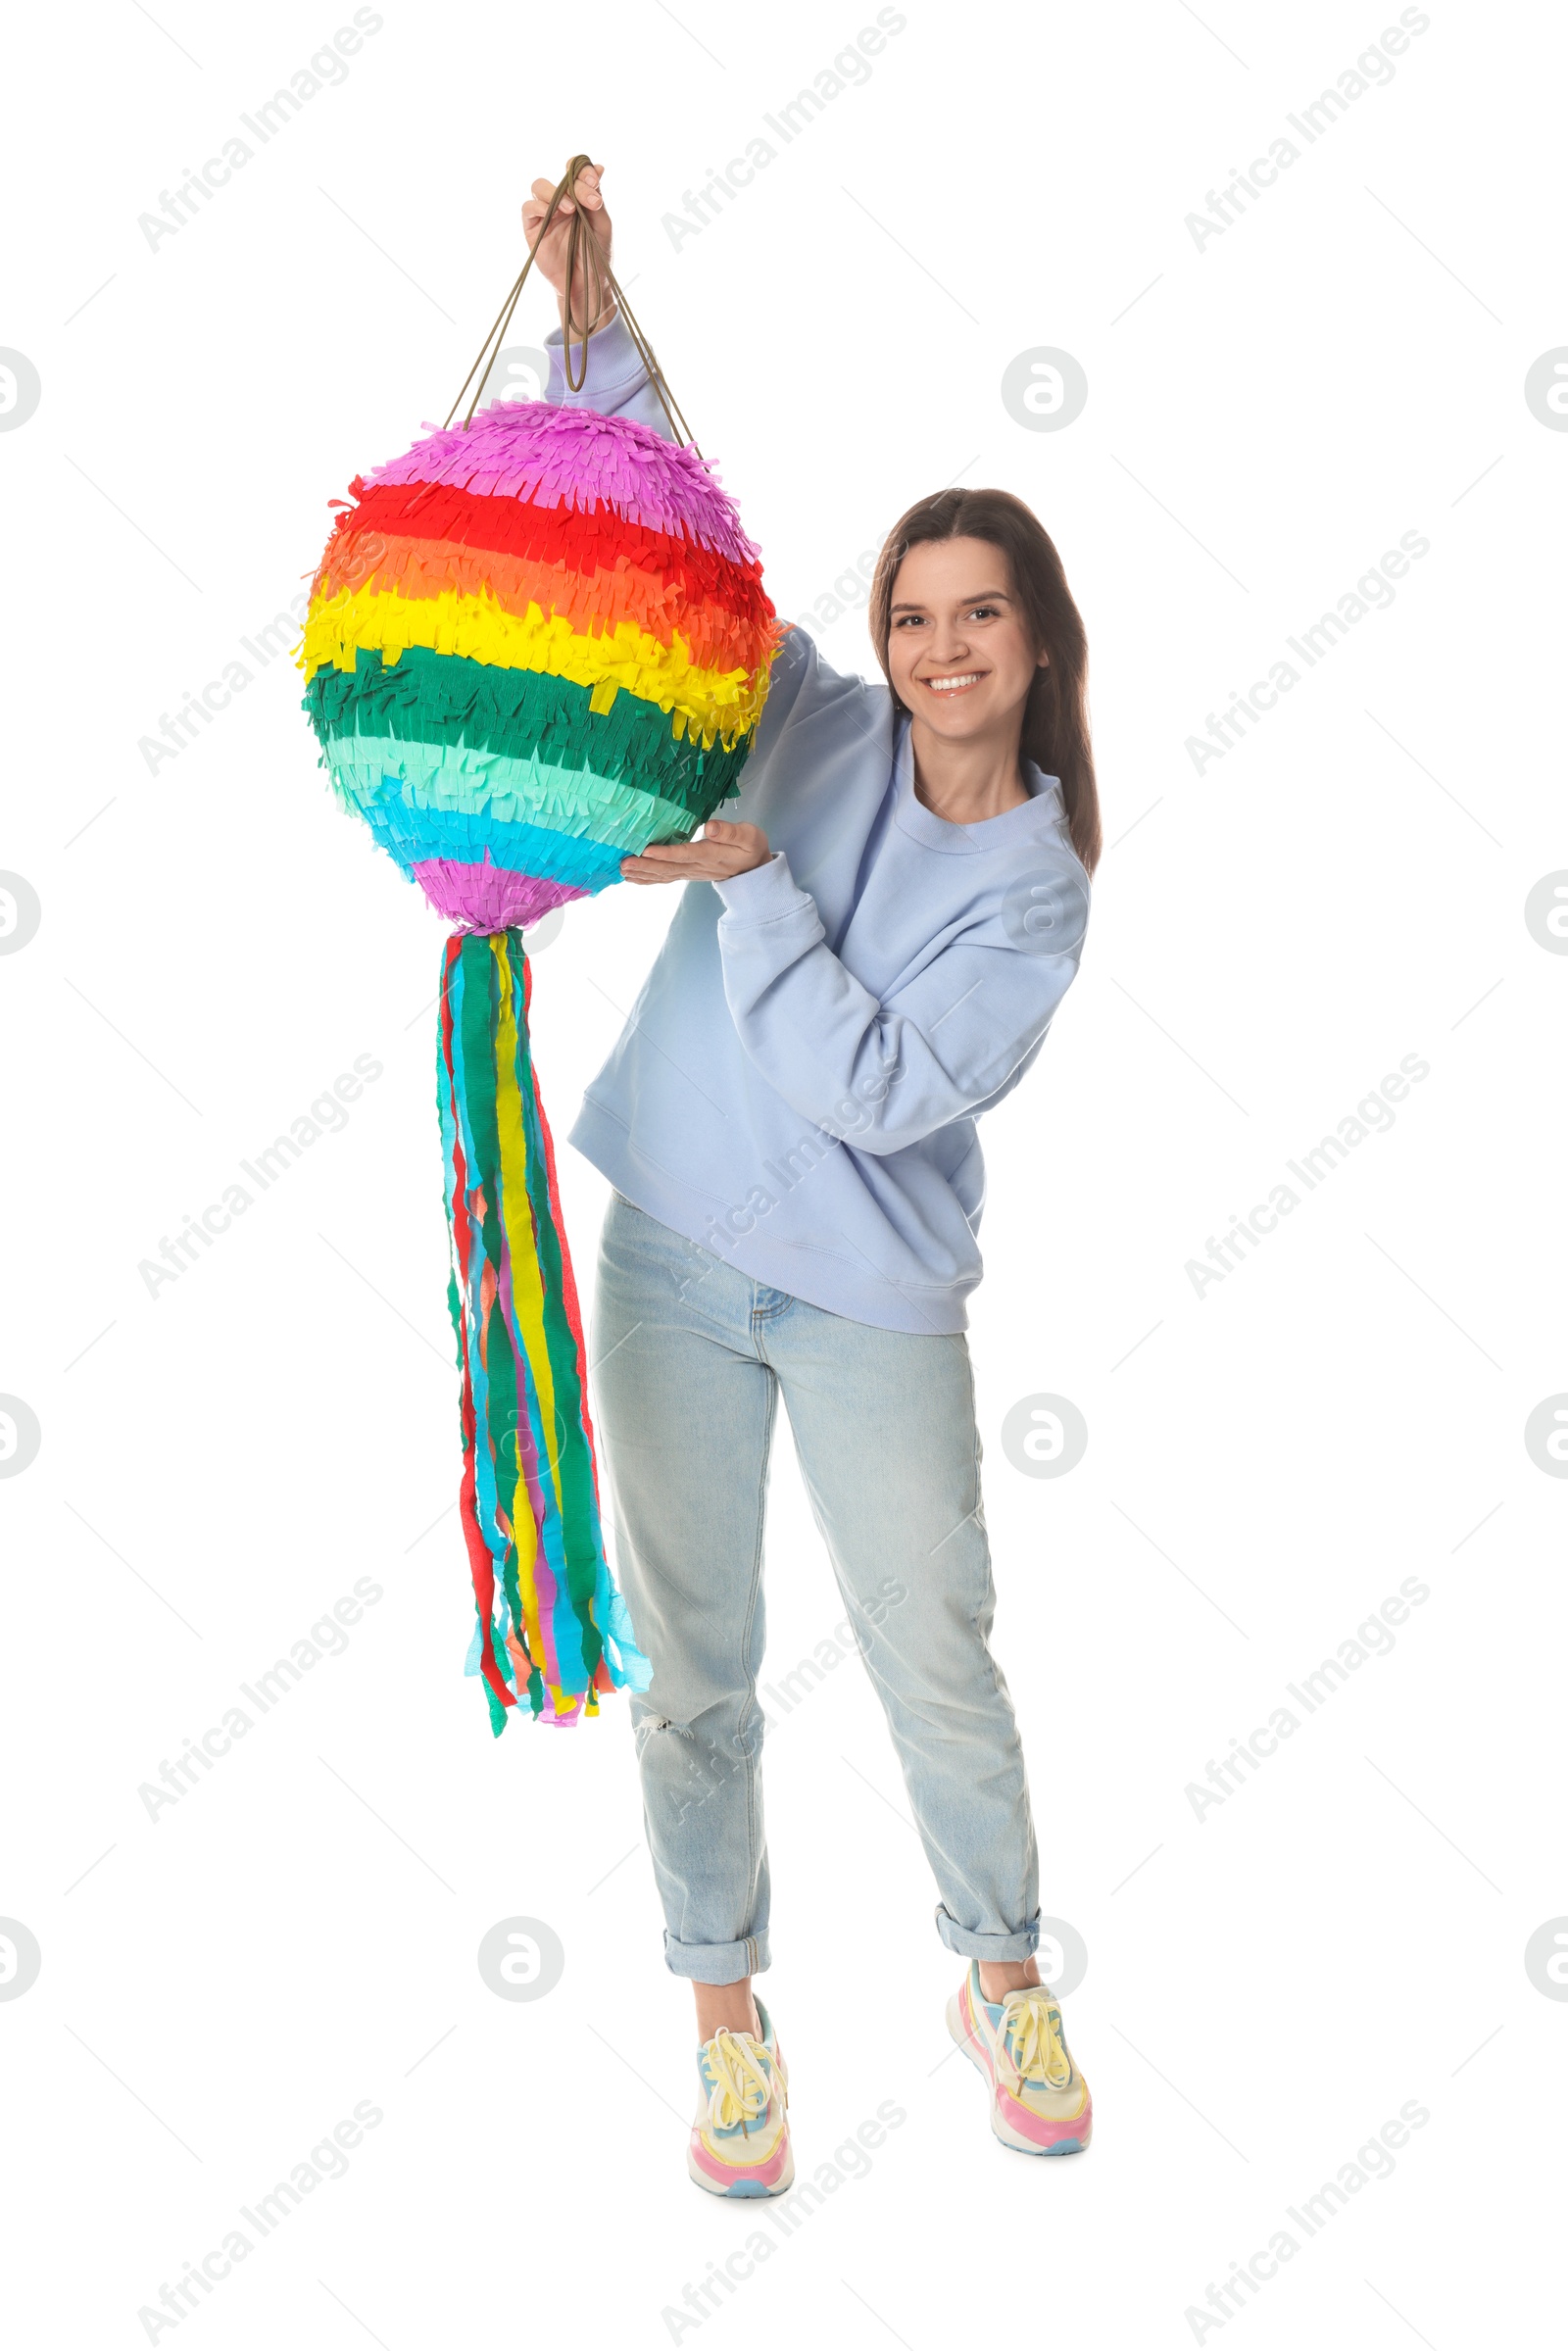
[487,898]
[575,458]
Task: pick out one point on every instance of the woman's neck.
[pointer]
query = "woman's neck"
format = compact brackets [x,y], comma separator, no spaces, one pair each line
[964,783]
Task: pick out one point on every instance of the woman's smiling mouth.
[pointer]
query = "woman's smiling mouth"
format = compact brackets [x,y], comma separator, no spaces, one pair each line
[958,683]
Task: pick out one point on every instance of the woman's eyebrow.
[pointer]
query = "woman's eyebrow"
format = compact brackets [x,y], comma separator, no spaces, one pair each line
[982,596]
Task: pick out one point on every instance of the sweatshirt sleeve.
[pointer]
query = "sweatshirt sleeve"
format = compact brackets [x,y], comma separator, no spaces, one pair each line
[941,1045]
[616,383]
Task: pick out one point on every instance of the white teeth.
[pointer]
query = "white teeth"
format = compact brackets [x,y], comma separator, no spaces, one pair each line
[944,685]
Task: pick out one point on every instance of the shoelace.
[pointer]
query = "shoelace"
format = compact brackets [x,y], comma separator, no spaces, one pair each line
[741,2087]
[1032,2046]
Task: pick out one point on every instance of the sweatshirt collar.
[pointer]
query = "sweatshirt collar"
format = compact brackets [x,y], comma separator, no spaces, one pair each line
[1040,815]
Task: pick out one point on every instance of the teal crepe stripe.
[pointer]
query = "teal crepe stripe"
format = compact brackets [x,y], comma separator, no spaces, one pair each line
[503,790]
[427,697]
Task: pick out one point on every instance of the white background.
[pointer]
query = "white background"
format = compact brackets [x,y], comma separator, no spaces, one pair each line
[1269,1984]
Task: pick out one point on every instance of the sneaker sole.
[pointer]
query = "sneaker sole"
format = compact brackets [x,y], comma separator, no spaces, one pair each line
[743,2187]
[1008,2137]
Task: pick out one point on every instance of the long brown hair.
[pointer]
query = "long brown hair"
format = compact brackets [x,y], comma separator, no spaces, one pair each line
[1055,716]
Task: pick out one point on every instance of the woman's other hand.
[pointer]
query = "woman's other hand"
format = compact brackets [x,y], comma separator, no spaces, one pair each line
[551,254]
[717,854]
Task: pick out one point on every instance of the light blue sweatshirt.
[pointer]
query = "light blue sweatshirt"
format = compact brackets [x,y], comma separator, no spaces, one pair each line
[798,1084]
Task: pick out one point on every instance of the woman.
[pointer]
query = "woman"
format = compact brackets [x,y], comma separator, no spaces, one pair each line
[870,955]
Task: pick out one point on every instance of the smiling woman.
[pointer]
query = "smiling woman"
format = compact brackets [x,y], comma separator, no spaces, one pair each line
[970,578]
[870,956]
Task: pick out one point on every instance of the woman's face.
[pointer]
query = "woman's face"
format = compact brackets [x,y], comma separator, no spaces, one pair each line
[959,652]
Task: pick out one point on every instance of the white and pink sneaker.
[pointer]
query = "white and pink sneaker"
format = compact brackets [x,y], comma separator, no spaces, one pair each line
[1040,2102]
[740,2144]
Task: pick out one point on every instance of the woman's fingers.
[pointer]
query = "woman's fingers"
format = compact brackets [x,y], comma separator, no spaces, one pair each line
[689,857]
[716,844]
[681,868]
[537,204]
[588,304]
[688,861]
[539,200]
[722,851]
[542,193]
[656,863]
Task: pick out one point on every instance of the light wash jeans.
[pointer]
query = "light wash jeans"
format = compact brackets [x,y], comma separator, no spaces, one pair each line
[691,1357]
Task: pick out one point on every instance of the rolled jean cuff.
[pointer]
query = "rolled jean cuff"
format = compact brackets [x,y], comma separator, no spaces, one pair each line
[969,1945]
[717,1963]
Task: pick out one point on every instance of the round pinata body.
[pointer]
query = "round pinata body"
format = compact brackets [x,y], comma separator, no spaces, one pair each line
[534,648]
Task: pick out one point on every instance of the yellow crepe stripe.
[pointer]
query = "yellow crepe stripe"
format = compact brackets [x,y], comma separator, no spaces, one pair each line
[710,703]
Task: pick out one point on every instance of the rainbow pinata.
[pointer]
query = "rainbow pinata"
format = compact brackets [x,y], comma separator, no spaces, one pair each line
[534,645]
[533,648]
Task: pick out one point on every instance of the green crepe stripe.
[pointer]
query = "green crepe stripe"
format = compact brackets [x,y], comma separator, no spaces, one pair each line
[436,698]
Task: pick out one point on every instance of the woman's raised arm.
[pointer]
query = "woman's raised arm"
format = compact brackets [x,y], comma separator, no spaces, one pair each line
[615,379]
[616,383]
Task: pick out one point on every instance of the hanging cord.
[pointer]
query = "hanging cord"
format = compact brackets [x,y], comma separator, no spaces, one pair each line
[584,257]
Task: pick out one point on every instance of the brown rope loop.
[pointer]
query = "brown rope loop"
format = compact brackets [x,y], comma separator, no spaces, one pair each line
[584,259]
